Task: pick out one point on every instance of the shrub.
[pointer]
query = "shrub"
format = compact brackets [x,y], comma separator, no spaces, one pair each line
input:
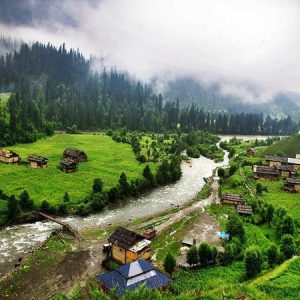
[66,197]
[169,263]
[253,261]
[25,201]
[273,255]
[205,254]
[97,186]
[192,256]
[288,246]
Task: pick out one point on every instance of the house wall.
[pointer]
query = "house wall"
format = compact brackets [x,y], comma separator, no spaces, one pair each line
[285,174]
[33,164]
[118,254]
[296,167]
[297,188]
[9,160]
[274,163]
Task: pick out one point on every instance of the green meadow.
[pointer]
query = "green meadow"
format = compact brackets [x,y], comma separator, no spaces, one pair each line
[106,160]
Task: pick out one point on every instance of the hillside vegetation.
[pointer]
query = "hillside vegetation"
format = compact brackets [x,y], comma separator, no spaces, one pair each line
[289,146]
[106,160]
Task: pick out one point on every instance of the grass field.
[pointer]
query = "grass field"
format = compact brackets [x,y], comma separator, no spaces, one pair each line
[106,160]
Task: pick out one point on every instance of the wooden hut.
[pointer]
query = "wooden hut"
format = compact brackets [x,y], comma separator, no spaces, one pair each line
[294,162]
[232,199]
[250,152]
[275,161]
[75,154]
[68,165]
[265,172]
[36,161]
[9,157]
[292,185]
[128,246]
[286,171]
[244,209]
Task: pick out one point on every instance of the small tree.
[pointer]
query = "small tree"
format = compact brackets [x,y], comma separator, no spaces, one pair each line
[97,186]
[192,256]
[253,261]
[169,263]
[62,209]
[221,172]
[269,213]
[273,255]
[149,176]
[235,226]
[66,197]
[45,206]
[124,185]
[205,254]
[288,225]
[228,254]
[259,189]
[25,201]
[13,209]
[288,246]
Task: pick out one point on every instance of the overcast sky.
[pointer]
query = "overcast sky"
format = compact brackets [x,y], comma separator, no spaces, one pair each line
[251,47]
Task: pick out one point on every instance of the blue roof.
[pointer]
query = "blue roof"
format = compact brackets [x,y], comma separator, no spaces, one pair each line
[132,275]
[224,235]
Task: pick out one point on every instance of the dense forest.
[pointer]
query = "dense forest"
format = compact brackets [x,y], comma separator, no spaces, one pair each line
[55,88]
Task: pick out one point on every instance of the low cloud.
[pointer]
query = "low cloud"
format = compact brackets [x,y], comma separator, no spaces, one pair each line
[251,48]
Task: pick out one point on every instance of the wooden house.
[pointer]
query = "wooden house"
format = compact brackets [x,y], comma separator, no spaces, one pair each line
[127,246]
[68,165]
[265,172]
[286,171]
[244,209]
[295,162]
[36,161]
[250,152]
[75,154]
[292,185]
[9,157]
[275,161]
[232,199]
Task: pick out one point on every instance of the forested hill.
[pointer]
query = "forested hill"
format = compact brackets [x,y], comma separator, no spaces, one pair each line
[189,91]
[54,88]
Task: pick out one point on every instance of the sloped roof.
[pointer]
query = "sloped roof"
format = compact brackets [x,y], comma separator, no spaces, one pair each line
[293,180]
[125,238]
[132,275]
[288,168]
[37,158]
[265,170]
[293,161]
[232,197]
[276,158]
[73,152]
[7,153]
[68,162]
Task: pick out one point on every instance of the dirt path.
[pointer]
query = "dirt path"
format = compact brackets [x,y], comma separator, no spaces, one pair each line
[198,206]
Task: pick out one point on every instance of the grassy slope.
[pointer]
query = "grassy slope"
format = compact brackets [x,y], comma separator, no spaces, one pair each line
[106,160]
[290,146]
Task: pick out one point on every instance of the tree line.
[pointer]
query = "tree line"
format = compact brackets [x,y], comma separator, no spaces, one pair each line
[55,88]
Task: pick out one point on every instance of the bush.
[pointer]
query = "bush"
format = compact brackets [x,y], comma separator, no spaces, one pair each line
[221,172]
[288,246]
[97,186]
[109,132]
[253,261]
[25,201]
[205,253]
[273,255]
[169,263]
[192,256]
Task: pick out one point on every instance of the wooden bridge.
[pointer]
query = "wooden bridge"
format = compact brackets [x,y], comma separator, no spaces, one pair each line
[66,227]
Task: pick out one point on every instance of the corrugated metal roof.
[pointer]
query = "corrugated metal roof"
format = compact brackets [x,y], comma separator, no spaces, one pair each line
[141,272]
[294,161]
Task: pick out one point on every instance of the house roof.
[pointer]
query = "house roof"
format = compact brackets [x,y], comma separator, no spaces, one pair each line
[7,153]
[132,275]
[37,158]
[73,152]
[250,149]
[187,240]
[244,209]
[293,180]
[287,168]
[265,170]
[293,161]
[232,197]
[68,162]
[276,158]
[125,238]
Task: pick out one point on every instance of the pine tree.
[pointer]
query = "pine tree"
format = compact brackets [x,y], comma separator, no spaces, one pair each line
[169,263]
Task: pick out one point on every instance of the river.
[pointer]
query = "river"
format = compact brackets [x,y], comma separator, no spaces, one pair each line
[17,241]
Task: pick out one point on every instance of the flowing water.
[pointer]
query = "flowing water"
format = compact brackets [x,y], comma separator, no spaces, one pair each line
[16,241]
